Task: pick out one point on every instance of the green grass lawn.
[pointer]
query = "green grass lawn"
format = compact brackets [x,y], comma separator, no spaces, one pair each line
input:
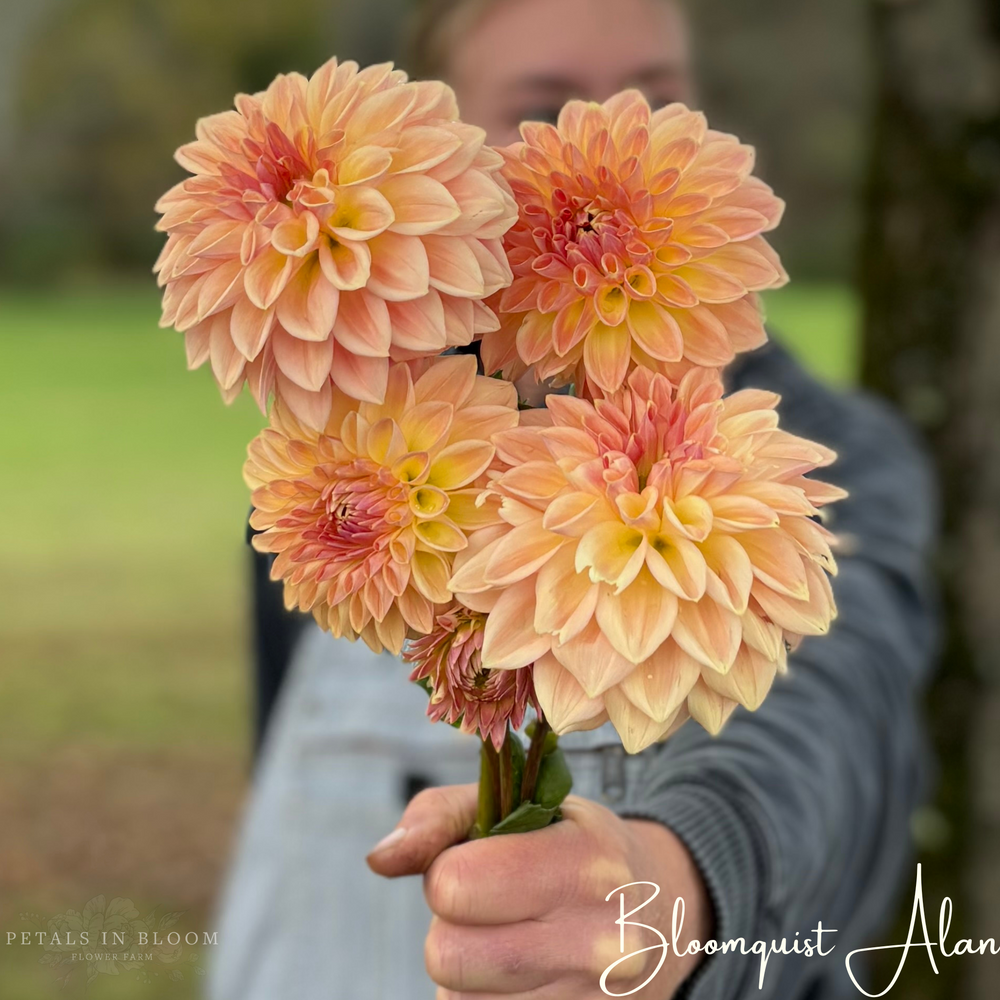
[122,529]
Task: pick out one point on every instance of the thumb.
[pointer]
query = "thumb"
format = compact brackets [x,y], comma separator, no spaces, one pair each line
[433,821]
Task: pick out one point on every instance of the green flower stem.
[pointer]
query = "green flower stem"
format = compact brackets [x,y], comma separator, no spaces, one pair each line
[506,777]
[542,729]
[489,797]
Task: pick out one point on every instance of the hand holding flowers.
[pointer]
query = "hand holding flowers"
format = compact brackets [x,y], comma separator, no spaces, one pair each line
[527,916]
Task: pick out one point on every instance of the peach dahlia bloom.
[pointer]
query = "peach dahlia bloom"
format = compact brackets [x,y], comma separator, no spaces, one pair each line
[331,224]
[462,691]
[638,242]
[365,516]
[657,552]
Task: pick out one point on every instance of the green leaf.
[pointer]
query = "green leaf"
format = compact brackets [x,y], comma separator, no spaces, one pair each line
[554,780]
[526,817]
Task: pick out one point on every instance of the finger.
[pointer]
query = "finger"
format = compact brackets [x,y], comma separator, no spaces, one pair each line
[513,958]
[434,820]
[504,880]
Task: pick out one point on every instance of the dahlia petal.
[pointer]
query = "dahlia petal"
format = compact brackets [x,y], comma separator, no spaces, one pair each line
[636,729]
[612,552]
[736,512]
[227,362]
[440,534]
[745,264]
[364,165]
[706,341]
[460,463]
[709,633]
[639,619]
[196,344]
[420,204]
[656,331]
[709,709]
[250,327]
[677,564]
[416,609]
[296,237]
[535,481]
[483,422]
[468,513]
[566,599]
[777,562]
[429,573]
[363,326]
[469,570]
[453,267]
[346,265]
[730,574]
[749,680]
[565,706]
[509,640]
[306,363]
[480,203]
[307,308]
[606,354]
[712,284]
[744,320]
[384,442]
[450,379]
[659,686]
[567,328]
[312,408]
[359,377]
[422,147]
[260,375]
[592,660]
[419,325]
[361,213]
[221,289]
[266,277]
[424,425]
[525,550]
[400,270]
[763,636]
[380,111]
[809,617]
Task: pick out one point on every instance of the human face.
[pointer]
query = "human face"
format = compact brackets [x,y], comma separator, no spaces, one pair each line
[525,58]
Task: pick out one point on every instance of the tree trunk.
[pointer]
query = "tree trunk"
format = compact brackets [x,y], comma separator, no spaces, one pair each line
[931,288]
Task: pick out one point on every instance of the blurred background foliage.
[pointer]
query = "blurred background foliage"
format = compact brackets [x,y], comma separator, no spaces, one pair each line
[97,94]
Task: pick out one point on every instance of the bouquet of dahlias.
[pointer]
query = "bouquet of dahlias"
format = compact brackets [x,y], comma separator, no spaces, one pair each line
[643,550]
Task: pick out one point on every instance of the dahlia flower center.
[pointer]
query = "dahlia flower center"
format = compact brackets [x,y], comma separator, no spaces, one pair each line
[600,241]
[364,506]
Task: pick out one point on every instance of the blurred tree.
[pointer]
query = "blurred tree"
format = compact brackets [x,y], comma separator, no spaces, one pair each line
[931,283]
[106,94]
[794,78]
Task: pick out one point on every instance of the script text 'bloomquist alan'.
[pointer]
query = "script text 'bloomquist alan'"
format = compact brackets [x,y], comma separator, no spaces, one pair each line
[815,945]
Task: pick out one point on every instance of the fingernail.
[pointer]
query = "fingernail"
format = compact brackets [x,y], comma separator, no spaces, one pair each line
[389,841]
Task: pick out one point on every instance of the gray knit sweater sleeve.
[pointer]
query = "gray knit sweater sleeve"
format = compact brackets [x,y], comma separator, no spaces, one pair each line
[800,812]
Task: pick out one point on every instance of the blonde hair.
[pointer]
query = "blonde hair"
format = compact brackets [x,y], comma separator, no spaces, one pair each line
[436,28]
